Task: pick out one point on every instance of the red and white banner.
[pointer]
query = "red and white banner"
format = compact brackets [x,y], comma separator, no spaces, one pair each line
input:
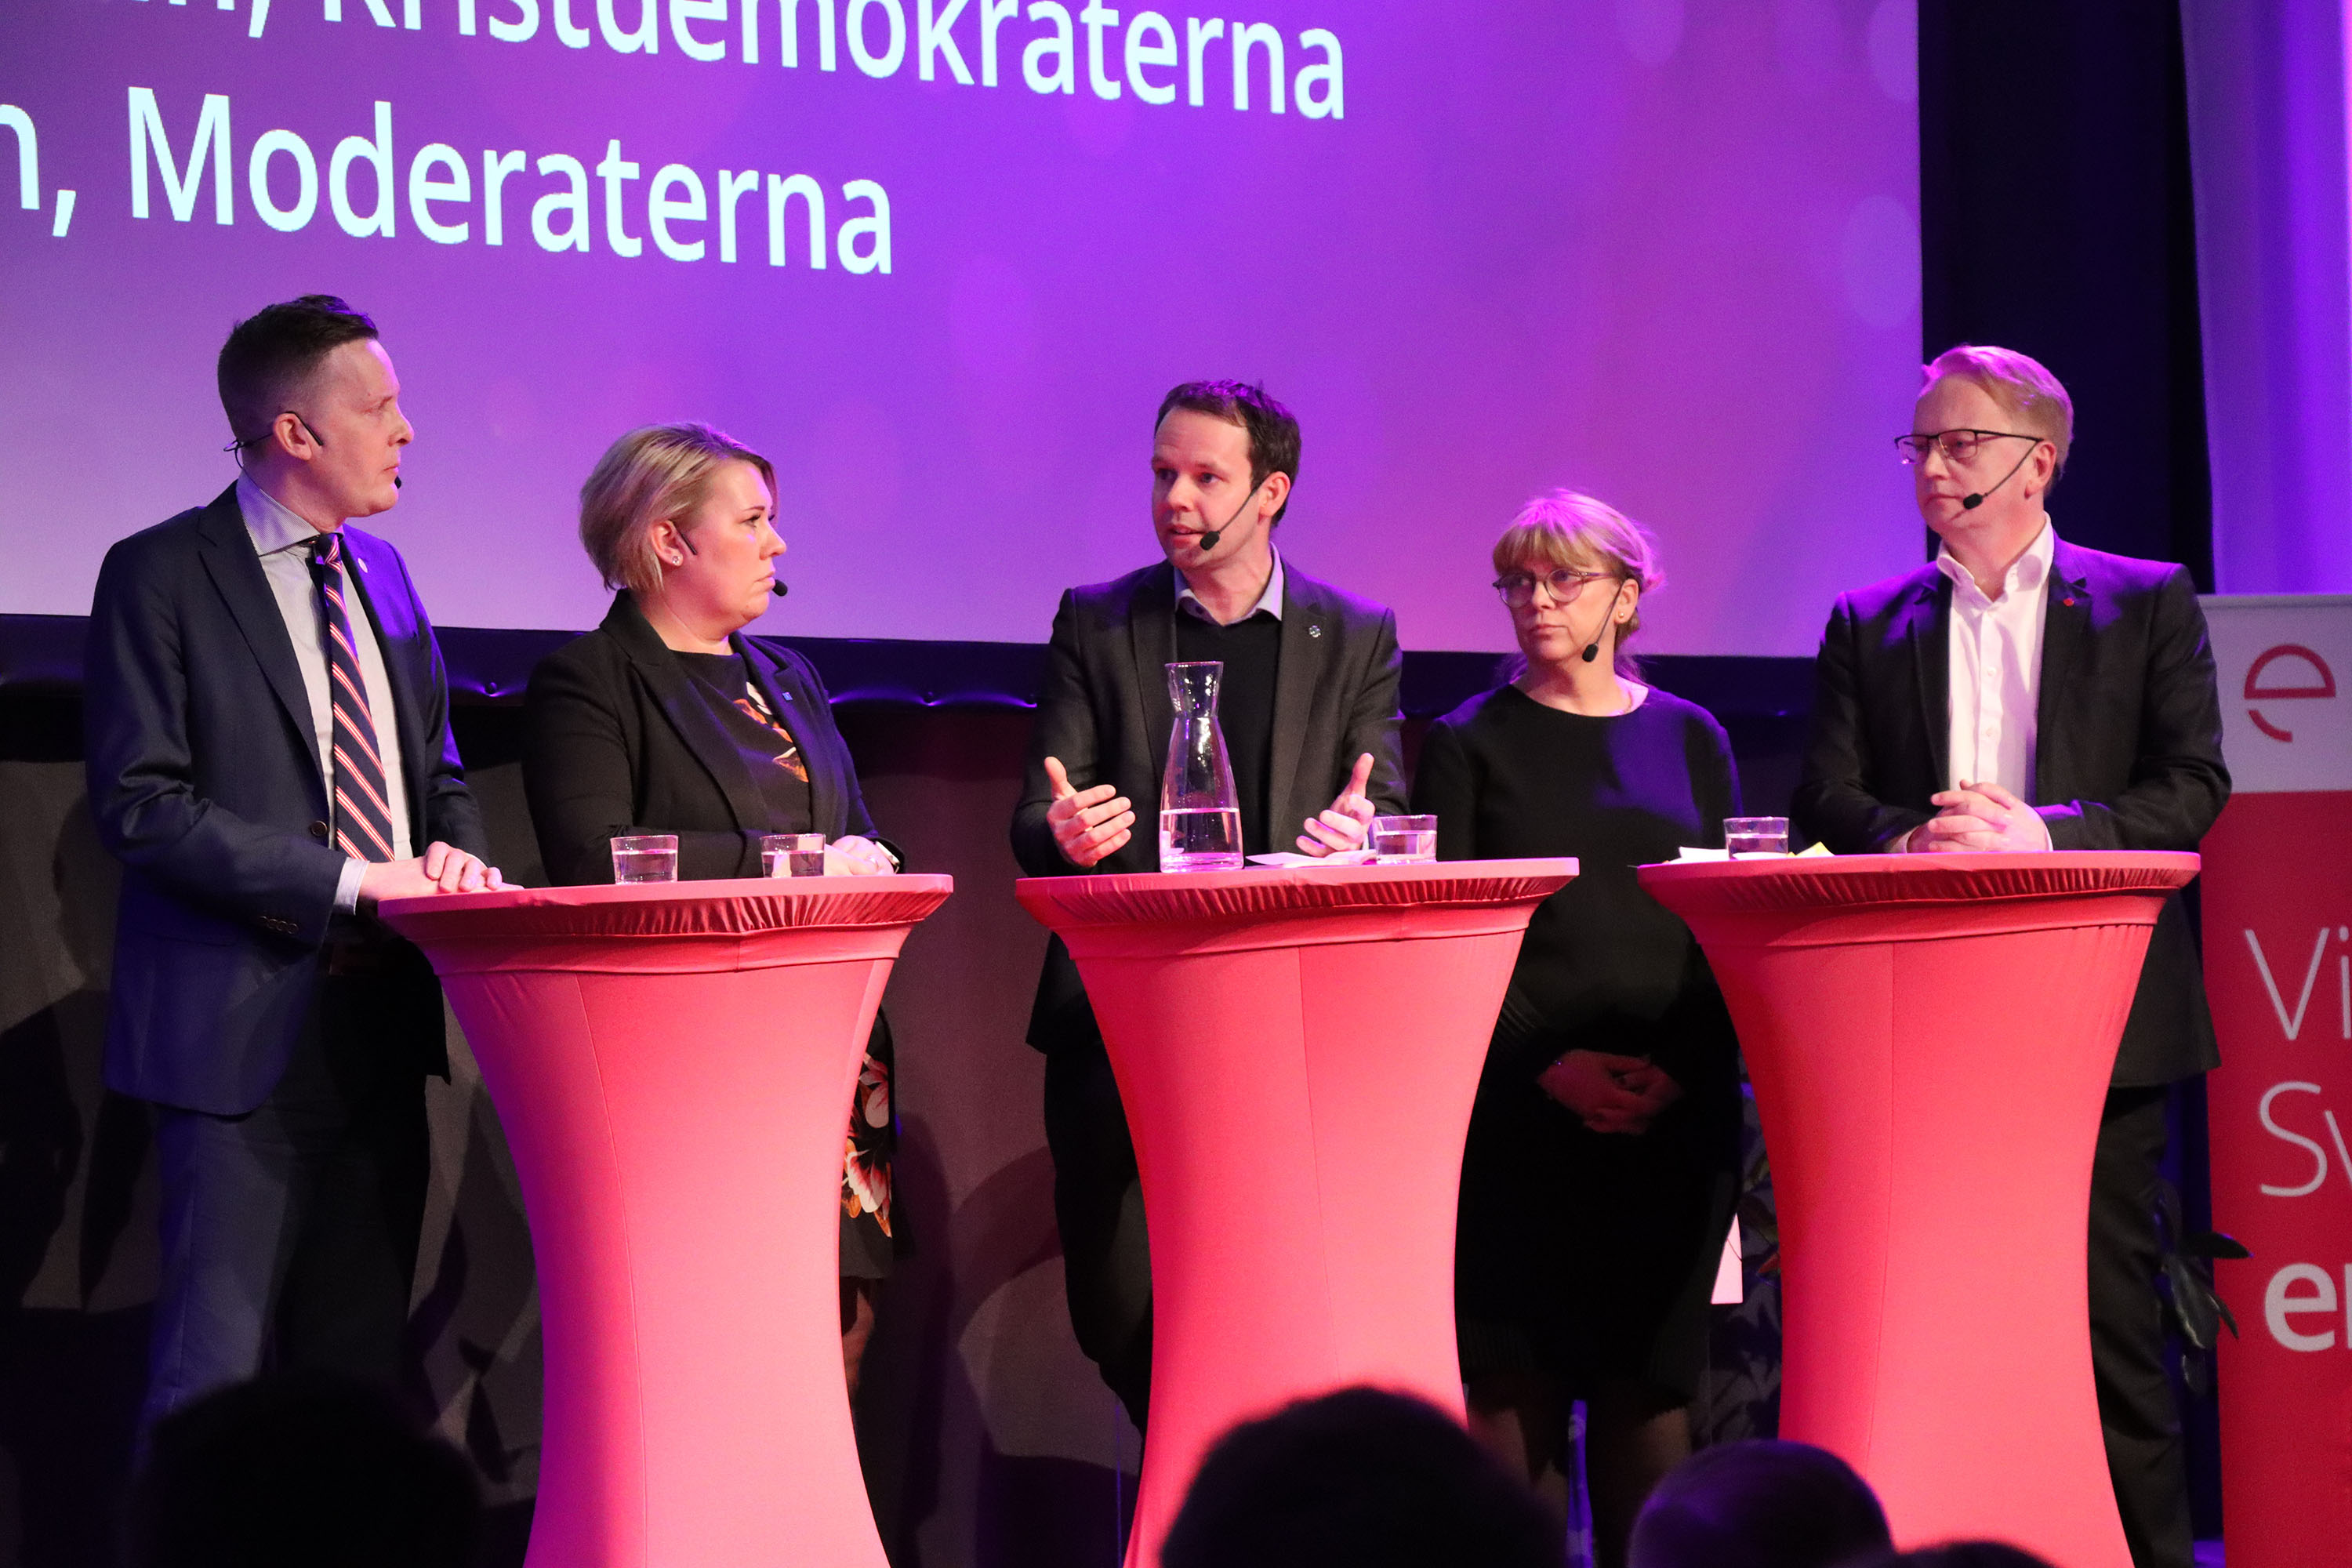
[2278,962]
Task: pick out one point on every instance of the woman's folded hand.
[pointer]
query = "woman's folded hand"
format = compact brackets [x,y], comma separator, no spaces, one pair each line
[851,855]
[1609,1093]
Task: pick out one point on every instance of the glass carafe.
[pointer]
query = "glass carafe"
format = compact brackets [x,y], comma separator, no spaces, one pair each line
[1200,812]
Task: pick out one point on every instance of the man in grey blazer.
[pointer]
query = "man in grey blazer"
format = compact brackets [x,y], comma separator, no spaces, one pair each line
[267,736]
[1308,707]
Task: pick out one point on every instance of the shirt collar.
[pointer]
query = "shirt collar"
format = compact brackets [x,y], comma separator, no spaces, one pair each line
[1269,603]
[2026,574]
[270,523]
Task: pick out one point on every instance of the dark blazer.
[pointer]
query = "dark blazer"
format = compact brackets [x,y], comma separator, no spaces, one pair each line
[618,740]
[2127,750]
[1103,709]
[204,783]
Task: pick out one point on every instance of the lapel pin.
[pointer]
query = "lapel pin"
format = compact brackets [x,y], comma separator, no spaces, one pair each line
[1313,631]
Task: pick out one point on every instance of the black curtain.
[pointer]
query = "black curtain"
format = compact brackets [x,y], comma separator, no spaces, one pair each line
[2054,218]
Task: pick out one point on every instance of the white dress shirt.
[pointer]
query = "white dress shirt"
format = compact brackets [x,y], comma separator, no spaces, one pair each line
[1996,669]
[283,540]
[1268,602]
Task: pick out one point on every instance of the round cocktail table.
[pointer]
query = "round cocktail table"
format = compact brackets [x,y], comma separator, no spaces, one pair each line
[673,1064]
[1930,1039]
[1297,1050]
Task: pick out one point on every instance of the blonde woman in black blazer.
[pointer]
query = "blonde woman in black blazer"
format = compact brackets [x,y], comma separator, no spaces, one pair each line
[665,720]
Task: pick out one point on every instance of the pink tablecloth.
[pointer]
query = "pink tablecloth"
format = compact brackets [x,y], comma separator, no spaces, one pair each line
[1298,1051]
[672,1065]
[1930,1039]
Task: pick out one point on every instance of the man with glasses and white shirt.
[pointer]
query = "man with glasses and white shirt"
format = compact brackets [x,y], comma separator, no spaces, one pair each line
[2021,693]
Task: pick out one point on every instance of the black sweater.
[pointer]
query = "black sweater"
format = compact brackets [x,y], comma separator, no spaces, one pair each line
[1251,651]
[1604,966]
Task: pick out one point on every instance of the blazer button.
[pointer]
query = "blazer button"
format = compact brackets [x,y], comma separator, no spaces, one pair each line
[319,831]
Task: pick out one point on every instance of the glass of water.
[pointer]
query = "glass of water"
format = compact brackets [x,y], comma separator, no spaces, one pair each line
[793,855]
[1755,835]
[645,858]
[1400,840]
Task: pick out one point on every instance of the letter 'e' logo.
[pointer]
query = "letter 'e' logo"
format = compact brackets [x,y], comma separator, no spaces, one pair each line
[2257,692]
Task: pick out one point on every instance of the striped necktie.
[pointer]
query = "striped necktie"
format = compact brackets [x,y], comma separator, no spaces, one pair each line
[362,820]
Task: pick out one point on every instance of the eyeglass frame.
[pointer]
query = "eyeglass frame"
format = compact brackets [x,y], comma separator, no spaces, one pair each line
[1550,580]
[1911,457]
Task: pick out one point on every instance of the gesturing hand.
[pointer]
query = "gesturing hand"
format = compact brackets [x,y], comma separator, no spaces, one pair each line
[1343,824]
[1087,824]
[1982,817]
[1610,1093]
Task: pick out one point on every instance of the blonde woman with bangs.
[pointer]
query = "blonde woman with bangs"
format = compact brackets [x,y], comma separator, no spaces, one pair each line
[1599,1176]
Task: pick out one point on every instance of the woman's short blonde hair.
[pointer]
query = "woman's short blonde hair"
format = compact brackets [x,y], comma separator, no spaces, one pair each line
[1575,530]
[2021,384]
[653,474]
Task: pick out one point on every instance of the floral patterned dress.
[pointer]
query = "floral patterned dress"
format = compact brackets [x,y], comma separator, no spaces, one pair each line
[867,1242]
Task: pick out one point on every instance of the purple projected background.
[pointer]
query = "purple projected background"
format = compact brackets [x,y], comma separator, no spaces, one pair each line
[1663,251]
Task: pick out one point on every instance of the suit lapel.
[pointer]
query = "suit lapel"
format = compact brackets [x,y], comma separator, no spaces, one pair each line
[1151,631]
[2065,638]
[1306,649]
[1929,629]
[237,576]
[674,693]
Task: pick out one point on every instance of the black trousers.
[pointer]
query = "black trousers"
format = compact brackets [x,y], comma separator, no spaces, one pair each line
[290,1233]
[2136,1408]
[1098,1203]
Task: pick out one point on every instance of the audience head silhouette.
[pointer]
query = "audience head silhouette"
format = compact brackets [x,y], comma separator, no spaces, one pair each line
[1760,1505]
[1363,1478]
[299,1470]
[1959,1554]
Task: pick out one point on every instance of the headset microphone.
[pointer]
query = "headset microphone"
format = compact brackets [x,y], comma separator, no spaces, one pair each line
[395,482]
[1970,502]
[1593,650]
[1209,539]
[775,586]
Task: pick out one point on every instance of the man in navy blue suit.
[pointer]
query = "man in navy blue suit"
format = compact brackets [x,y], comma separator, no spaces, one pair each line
[267,733]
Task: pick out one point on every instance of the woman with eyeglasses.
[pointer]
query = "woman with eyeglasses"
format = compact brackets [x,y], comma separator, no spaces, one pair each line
[1600,1169]
[665,720]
